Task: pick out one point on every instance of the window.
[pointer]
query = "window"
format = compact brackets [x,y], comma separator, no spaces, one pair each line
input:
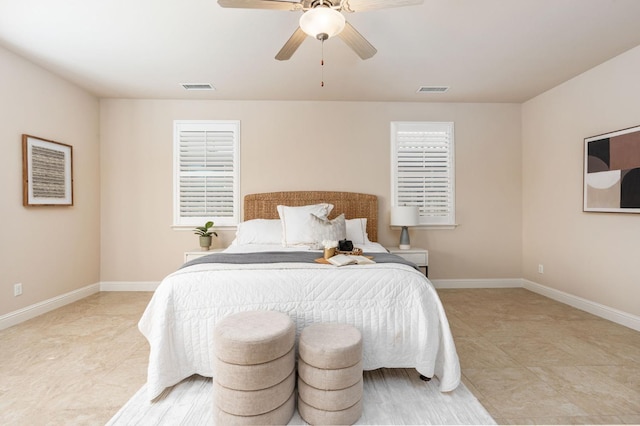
[206,172]
[422,169]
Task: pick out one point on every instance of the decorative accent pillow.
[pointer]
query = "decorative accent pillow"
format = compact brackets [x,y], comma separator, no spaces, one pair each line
[296,222]
[324,229]
[259,231]
[357,231]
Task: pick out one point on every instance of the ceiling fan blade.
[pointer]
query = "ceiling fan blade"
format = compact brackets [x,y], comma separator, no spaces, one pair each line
[291,45]
[361,5]
[261,4]
[357,42]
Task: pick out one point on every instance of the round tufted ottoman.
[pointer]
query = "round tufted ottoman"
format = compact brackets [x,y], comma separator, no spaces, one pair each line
[330,399]
[316,416]
[251,403]
[280,416]
[323,378]
[254,368]
[330,374]
[254,337]
[330,345]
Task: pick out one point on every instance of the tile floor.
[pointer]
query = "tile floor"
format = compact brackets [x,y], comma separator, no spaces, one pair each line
[531,360]
[76,365]
[528,359]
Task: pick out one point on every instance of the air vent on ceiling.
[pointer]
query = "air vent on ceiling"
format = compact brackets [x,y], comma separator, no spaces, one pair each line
[197,86]
[432,89]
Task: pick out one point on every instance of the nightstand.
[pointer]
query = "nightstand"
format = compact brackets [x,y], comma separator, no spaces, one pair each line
[194,254]
[419,256]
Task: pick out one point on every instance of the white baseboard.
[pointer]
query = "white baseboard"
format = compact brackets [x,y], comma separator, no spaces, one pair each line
[129,285]
[602,311]
[479,283]
[32,311]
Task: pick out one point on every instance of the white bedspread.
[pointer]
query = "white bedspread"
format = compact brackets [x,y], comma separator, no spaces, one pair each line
[395,307]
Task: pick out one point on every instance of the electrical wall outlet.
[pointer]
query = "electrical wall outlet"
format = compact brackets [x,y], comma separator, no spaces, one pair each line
[541,269]
[17,289]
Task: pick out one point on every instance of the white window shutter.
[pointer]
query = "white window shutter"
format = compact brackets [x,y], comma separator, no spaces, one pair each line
[423,169]
[206,172]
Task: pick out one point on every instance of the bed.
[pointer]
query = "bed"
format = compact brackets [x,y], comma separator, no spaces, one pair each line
[393,304]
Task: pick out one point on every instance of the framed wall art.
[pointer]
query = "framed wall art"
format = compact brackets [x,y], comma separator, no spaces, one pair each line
[47,172]
[612,172]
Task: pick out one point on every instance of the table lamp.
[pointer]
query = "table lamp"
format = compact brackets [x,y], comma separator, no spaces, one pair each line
[404,216]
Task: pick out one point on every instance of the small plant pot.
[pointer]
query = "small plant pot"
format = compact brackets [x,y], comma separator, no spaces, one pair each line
[205,242]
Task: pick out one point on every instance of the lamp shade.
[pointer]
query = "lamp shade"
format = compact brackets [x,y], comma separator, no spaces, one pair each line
[320,21]
[404,215]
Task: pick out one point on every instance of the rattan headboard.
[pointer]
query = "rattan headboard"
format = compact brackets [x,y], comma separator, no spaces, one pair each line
[354,205]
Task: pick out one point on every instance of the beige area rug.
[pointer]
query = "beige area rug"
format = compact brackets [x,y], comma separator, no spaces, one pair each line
[391,397]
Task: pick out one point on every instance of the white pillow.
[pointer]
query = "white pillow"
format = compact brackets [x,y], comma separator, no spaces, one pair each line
[259,231]
[296,222]
[325,229]
[357,231]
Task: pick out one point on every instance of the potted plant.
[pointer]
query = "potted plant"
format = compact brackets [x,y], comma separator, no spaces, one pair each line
[205,235]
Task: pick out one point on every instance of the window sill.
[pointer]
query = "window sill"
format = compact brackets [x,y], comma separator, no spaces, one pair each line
[443,227]
[215,228]
[447,226]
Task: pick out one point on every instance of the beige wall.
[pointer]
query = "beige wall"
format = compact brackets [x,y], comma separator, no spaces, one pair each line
[309,145]
[50,250]
[303,146]
[589,255]
[519,181]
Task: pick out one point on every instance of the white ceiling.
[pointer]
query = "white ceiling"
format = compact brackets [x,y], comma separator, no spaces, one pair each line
[485,50]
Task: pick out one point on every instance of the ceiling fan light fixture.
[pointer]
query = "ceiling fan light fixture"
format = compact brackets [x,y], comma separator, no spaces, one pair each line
[322,22]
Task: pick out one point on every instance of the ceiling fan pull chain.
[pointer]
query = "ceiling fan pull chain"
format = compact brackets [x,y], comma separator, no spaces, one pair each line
[322,64]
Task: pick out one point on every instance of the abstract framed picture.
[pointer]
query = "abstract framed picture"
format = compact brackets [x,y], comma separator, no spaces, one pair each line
[612,172]
[47,172]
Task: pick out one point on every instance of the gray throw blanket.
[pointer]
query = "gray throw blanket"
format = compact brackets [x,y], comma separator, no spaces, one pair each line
[286,257]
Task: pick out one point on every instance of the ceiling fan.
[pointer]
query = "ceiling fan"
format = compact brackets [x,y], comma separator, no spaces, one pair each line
[322,19]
